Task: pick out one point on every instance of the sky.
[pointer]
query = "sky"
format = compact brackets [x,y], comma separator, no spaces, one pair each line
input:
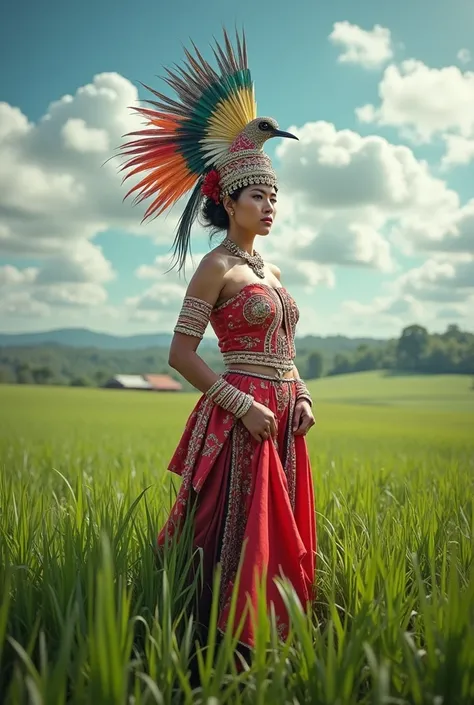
[375,222]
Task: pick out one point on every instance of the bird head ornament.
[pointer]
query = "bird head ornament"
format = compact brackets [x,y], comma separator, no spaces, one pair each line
[208,141]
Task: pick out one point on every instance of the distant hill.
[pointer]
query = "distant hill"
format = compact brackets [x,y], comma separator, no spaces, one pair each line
[82,357]
[85,338]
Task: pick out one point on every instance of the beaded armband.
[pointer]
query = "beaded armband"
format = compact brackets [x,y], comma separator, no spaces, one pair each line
[194,317]
[229,397]
[302,392]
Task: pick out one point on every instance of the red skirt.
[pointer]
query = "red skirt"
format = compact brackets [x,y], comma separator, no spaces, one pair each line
[250,496]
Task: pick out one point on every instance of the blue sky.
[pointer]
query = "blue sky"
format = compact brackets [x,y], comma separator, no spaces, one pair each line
[72,254]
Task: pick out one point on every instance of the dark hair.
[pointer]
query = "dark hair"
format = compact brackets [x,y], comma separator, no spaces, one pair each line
[214,216]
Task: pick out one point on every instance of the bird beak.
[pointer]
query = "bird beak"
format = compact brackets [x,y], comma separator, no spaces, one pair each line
[281,133]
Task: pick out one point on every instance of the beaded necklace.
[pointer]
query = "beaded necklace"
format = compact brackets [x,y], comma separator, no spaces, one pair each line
[255,261]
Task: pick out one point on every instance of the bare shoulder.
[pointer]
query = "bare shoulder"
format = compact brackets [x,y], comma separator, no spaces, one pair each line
[208,279]
[274,270]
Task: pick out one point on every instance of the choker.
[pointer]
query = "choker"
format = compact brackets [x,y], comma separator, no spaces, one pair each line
[255,261]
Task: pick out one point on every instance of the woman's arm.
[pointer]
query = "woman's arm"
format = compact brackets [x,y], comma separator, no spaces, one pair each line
[205,285]
[303,418]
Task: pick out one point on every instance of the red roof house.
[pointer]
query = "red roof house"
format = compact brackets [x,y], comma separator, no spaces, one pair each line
[163,383]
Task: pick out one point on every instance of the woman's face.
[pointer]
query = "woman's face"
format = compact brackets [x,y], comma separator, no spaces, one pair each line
[255,209]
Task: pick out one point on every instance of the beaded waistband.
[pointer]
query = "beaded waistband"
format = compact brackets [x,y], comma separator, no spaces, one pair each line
[260,376]
[251,357]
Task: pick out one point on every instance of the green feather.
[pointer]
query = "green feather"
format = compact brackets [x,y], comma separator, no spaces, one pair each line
[194,129]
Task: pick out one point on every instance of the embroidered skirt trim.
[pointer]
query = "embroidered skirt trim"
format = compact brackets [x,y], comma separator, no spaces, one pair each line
[253,500]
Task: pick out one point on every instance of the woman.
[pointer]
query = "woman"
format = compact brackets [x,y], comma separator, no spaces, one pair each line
[242,457]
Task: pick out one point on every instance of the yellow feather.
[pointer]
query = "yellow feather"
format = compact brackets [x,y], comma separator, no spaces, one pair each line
[232,115]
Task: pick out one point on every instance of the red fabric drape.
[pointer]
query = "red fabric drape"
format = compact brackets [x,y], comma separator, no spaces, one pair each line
[248,493]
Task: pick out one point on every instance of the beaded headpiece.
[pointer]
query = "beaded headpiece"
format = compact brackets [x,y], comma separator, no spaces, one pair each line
[209,140]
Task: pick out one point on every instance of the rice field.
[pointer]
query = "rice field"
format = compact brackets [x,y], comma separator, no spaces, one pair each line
[88,615]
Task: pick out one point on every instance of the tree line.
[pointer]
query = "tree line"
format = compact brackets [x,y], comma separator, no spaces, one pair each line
[415,351]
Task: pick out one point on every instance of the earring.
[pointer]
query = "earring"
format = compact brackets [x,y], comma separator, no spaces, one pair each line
[232,213]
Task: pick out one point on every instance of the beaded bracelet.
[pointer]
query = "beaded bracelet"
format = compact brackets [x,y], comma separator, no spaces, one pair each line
[302,392]
[193,317]
[229,397]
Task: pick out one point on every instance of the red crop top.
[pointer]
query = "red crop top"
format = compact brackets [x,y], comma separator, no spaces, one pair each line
[257,326]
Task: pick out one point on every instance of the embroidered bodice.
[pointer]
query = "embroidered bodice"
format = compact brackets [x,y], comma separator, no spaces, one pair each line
[257,326]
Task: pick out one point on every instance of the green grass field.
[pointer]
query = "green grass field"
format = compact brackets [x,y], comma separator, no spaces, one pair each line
[87,616]
[447,392]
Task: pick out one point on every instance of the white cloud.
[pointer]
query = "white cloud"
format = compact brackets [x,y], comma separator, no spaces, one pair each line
[58,190]
[370,49]
[344,200]
[441,289]
[82,295]
[58,185]
[464,56]
[79,137]
[343,194]
[59,307]
[12,276]
[158,297]
[366,113]
[426,295]
[383,317]
[446,231]
[425,100]
[459,150]
[303,273]
[83,263]
[21,304]
[439,280]
[158,269]
[404,308]
[159,304]
[69,280]
[13,124]
[456,312]
[333,169]
[353,198]
[350,244]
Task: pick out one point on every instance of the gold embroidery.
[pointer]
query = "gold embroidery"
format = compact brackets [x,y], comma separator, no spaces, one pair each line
[211,445]
[254,357]
[240,483]
[257,309]
[194,317]
[276,314]
[241,480]
[282,396]
[196,441]
[289,462]
[248,341]
[274,327]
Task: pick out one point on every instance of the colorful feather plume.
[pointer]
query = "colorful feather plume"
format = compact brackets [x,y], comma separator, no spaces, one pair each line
[184,138]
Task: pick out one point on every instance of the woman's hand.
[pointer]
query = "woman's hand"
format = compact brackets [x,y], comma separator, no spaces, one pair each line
[303,418]
[260,421]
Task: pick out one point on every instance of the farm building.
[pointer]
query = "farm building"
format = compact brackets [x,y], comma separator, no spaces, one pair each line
[163,383]
[147,383]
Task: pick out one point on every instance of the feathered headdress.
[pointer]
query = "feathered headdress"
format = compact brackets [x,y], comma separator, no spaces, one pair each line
[210,140]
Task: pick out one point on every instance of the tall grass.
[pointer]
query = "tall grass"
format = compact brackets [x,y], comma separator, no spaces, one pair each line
[91,613]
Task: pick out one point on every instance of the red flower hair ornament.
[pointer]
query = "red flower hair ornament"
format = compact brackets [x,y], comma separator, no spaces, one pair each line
[210,186]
